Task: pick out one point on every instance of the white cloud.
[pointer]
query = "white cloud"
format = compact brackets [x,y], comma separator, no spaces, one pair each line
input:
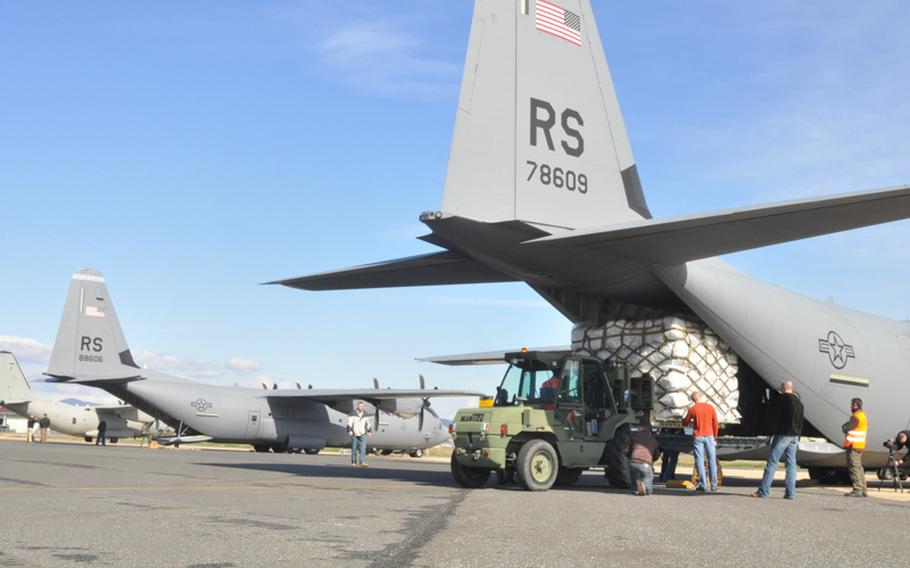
[243,365]
[377,57]
[25,349]
[165,362]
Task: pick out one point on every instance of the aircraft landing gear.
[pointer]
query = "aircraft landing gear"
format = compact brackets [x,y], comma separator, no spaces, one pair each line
[260,448]
[830,475]
[311,451]
[418,453]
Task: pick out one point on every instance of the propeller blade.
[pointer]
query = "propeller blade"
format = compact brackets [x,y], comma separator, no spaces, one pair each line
[274,386]
[376,426]
[420,420]
[375,383]
[299,387]
[423,383]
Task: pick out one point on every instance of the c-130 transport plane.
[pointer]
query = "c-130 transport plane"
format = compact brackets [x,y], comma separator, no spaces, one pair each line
[91,349]
[542,188]
[122,421]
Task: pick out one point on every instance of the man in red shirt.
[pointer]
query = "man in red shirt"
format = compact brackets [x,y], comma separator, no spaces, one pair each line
[703,419]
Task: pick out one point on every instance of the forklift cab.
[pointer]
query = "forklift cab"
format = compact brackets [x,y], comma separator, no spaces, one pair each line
[575,387]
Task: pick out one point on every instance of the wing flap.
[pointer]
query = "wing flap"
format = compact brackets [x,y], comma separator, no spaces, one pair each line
[424,270]
[487,357]
[680,239]
[327,395]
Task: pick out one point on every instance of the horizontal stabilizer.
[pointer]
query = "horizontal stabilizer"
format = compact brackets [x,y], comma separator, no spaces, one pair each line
[487,357]
[367,395]
[93,379]
[680,239]
[423,270]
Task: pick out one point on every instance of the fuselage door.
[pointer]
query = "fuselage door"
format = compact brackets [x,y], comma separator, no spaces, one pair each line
[252,424]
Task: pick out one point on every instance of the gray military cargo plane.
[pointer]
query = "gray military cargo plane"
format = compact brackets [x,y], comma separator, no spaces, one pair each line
[542,188]
[91,349]
[122,421]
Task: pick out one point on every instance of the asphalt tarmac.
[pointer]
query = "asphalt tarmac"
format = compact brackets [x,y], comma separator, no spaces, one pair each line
[72,505]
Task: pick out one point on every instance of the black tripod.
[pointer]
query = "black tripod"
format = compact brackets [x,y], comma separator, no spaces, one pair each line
[892,470]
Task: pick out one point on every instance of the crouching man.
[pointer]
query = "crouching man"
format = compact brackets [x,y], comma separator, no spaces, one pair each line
[643,451]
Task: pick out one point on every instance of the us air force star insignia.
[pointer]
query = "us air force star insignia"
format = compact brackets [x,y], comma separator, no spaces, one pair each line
[838,351]
[201,405]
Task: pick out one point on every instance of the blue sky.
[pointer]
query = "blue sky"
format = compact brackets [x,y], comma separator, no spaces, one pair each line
[190,151]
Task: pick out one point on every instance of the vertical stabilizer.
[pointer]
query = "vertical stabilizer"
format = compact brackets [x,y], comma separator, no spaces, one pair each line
[538,133]
[13,384]
[90,344]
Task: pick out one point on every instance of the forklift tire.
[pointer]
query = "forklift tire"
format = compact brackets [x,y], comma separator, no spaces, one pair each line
[616,462]
[537,465]
[311,451]
[568,476]
[469,477]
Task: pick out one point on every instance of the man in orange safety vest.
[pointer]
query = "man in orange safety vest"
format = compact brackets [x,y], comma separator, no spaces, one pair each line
[855,430]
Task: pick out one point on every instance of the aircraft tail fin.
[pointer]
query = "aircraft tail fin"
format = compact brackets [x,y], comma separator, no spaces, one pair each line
[90,345]
[539,136]
[13,384]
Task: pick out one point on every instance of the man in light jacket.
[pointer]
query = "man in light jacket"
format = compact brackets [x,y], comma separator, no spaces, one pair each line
[360,427]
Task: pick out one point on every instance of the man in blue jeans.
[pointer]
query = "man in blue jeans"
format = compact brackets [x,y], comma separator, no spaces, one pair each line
[360,427]
[703,419]
[786,426]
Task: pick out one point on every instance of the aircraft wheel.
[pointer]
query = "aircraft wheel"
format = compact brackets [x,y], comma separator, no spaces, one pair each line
[469,477]
[113,440]
[386,452]
[568,476]
[260,448]
[537,465]
[311,451]
[279,449]
[418,453]
[87,438]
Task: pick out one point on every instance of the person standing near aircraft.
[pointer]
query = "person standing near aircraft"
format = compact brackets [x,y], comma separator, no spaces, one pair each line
[45,424]
[705,430]
[359,429]
[102,430]
[785,426]
[855,442]
[29,434]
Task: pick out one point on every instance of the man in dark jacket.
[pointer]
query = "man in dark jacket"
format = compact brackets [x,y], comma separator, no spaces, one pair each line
[102,430]
[45,425]
[902,442]
[642,450]
[785,426]
[31,426]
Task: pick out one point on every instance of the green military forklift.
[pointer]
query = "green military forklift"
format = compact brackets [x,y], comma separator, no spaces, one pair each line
[553,417]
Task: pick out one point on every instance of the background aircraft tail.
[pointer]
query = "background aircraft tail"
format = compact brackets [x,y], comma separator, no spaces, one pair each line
[539,136]
[13,384]
[90,345]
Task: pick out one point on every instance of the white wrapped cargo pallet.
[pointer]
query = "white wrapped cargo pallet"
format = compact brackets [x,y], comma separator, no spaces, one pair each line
[679,355]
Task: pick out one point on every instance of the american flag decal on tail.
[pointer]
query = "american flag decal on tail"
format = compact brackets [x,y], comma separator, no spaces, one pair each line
[557,21]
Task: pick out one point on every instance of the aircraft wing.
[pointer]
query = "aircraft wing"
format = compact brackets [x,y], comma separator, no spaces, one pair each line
[680,239]
[487,357]
[368,395]
[423,270]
